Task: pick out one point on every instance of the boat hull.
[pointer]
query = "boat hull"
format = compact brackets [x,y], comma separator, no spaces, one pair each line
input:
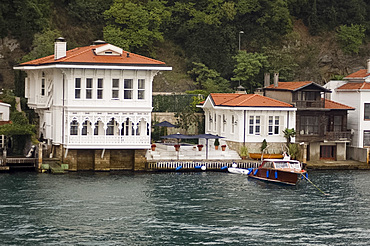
[257,156]
[238,170]
[277,176]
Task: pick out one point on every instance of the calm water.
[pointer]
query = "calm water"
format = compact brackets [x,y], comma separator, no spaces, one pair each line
[183,209]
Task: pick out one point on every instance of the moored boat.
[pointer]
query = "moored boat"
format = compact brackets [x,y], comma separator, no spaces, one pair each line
[239,170]
[258,156]
[283,171]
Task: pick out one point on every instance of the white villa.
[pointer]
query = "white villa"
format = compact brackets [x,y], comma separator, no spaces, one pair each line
[94,104]
[248,118]
[354,90]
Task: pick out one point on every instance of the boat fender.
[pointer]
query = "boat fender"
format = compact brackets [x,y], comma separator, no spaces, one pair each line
[178,168]
[306,174]
[203,168]
[255,172]
[249,170]
[234,165]
[198,167]
[224,167]
[267,173]
[276,175]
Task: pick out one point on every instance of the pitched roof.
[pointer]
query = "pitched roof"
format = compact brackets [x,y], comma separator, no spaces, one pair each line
[355,86]
[291,86]
[294,86]
[245,100]
[87,55]
[360,74]
[329,104]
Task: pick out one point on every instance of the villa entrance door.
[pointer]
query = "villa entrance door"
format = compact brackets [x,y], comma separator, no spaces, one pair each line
[328,152]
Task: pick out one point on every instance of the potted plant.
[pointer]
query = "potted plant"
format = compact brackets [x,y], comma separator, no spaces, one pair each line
[153,147]
[177,147]
[223,147]
[217,143]
[200,147]
[243,152]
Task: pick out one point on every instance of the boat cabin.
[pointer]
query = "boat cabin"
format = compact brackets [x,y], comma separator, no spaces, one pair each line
[282,164]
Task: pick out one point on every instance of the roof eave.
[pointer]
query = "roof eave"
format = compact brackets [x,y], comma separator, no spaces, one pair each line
[161,67]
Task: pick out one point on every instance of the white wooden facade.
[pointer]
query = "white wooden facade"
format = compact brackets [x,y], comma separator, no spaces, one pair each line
[357,95]
[248,124]
[102,100]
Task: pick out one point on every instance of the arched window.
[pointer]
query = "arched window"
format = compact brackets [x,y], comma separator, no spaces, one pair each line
[74,128]
[96,129]
[84,127]
[110,127]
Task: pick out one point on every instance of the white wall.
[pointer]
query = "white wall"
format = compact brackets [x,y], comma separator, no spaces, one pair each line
[4,111]
[241,128]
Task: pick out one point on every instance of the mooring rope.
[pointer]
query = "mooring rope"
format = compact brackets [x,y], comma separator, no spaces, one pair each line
[326,194]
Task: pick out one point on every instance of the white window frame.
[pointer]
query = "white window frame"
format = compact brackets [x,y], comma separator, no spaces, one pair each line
[99,86]
[141,89]
[254,125]
[89,88]
[115,89]
[74,128]
[128,89]
[271,125]
[77,88]
[277,125]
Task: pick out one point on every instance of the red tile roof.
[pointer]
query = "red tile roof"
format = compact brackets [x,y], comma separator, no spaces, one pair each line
[329,104]
[355,86]
[360,74]
[86,55]
[289,85]
[245,100]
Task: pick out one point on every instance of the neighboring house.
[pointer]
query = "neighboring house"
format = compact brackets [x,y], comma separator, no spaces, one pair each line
[354,90]
[248,119]
[94,104]
[4,119]
[321,124]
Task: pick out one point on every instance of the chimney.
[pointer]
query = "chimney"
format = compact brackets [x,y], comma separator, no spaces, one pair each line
[267,79]
[368,65]
[276,79]
[60,48]
[240,90]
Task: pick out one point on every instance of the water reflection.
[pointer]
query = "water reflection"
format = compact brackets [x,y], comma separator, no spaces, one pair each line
[182,209]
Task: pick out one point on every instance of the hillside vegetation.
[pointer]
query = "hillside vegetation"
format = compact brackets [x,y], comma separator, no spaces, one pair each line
[201,39]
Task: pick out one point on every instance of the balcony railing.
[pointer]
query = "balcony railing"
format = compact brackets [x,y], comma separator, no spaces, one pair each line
[309,104]
[338,136]
[108,140]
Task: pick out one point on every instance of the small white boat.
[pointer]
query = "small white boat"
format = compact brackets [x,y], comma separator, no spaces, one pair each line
[239,170]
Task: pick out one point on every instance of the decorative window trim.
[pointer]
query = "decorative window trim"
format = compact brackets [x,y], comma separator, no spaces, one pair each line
[128,89]
[115,89]
[77,88]
[141,89]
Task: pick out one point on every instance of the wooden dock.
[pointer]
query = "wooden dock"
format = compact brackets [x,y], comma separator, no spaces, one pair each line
[210,165]
[12,163]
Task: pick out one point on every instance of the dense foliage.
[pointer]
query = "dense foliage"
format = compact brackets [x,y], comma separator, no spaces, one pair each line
[208,31]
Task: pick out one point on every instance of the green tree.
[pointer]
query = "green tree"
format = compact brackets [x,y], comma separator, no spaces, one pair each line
[351,37]
[134,25]
[282,61]
[208,79]
[24,18]
[248,66]
[42,45]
